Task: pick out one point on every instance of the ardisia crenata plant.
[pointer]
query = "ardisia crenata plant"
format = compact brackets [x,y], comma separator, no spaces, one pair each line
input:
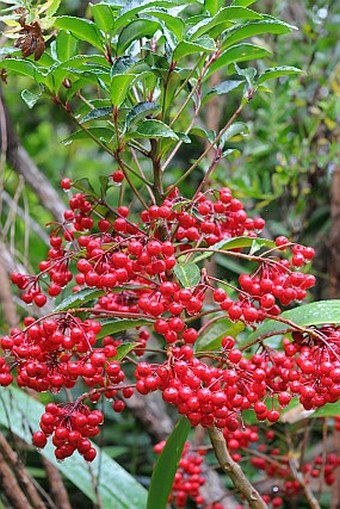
[140,309]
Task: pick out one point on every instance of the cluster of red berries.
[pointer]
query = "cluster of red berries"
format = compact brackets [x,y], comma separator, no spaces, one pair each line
[316,378]
[6,378]
[189,476]
[132,263]
[53,353]
[210,395]
[70,427]
[323,466]
[274,282]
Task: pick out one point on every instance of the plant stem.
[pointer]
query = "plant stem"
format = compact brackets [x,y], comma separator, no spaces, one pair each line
[209,147]
[234,471]
[313,503]
[157,173]
[131,184]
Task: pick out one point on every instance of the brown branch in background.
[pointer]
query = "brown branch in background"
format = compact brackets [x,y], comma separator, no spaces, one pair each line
[56,484]
[33,225]
[312,501]
[22,476]
[6,297]
[10,487]
[21,163]
[234,471]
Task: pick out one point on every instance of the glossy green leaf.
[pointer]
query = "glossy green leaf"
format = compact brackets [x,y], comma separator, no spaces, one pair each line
[235,129]
[202,45]
[211,338]
[76,300]
[209,135]
[244,3]
[173,23]
[140,111]
[212,6]
[124,350]
[82,29]
[113,326]
[134,31]
[133,7]
[30,98]
[225,87]
[165,469]
[98,113]
[102,133]
[19,66]
[154,129]
[7,50]
[236,243]
[66,46]
[328,410]
[53,7]
[277,72]
[188,274]
[120,84]
[224,15]
[20,413]
[103,16]
[238,53]
[267,26]
[315,313]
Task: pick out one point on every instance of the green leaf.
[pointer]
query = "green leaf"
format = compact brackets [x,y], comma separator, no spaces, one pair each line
[164,472]
[53,7]
[221,19]
[30,98]
[225,87]
[113,326]
[213,6]
[124,350]
[175,24]
[120,84]
[102,133]
[97,113]
[66,46]
[267,26]
[140,111]
[19,66]
[235,129]
[202,45]
[188,275]
[76,300]
[133,7]
[236,243]
[7,50]
[328,410]
[212,336]
[103,16]
[277,72]
[238,53]
[82,29]
[244,3]
[203,133]
[114,451]
[315,313]
[154,129]
[135,30]
[20,413]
